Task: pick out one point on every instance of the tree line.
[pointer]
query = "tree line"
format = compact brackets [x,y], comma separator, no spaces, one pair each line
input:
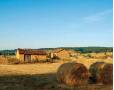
[80,49]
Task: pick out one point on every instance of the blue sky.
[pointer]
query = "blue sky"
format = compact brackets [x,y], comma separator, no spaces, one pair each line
[55,23]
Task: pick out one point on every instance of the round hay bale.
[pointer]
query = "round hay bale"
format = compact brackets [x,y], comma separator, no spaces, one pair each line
[72,74]
[107,74]
[95,72]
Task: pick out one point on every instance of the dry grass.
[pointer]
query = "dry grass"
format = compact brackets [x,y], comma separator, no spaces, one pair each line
[23,69]
[103,55]
[3,60]
[88,62]
[9,60]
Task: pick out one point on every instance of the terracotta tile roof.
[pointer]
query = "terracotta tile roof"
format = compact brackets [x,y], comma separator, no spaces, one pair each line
[32,52]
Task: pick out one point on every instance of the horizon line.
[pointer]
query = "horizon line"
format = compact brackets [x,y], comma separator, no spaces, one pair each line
[61,47]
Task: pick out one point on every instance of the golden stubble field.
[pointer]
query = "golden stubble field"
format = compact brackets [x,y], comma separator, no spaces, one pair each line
[42,68]
[41,76]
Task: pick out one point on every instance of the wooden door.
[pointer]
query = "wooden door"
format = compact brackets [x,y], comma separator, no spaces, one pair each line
[27,58]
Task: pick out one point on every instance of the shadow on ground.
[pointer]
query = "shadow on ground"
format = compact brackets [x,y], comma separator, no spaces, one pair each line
[40,82]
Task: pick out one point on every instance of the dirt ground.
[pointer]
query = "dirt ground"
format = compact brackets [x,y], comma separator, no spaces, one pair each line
[37,77]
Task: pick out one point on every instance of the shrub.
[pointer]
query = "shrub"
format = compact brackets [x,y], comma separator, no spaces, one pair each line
[13,61]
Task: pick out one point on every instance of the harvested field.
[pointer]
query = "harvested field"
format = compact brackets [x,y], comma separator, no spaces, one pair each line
[88,62]
[31,69]
[37,77]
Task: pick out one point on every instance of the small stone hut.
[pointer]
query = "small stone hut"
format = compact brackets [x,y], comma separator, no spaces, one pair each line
[29,55]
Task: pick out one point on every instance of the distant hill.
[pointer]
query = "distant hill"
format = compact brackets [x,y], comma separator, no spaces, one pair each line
[91,49]
[81,49]
[7,52]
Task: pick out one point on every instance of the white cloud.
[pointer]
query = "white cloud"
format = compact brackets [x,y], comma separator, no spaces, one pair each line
[84,22]
[97,17]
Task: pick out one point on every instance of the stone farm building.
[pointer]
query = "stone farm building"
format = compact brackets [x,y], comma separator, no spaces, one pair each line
[29,55]
[63,53]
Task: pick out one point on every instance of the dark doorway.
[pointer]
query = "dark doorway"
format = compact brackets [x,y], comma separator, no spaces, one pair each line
[27,58]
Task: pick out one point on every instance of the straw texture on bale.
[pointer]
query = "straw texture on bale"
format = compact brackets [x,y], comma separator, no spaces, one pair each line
[72,74]
[107,74]
[95,72]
